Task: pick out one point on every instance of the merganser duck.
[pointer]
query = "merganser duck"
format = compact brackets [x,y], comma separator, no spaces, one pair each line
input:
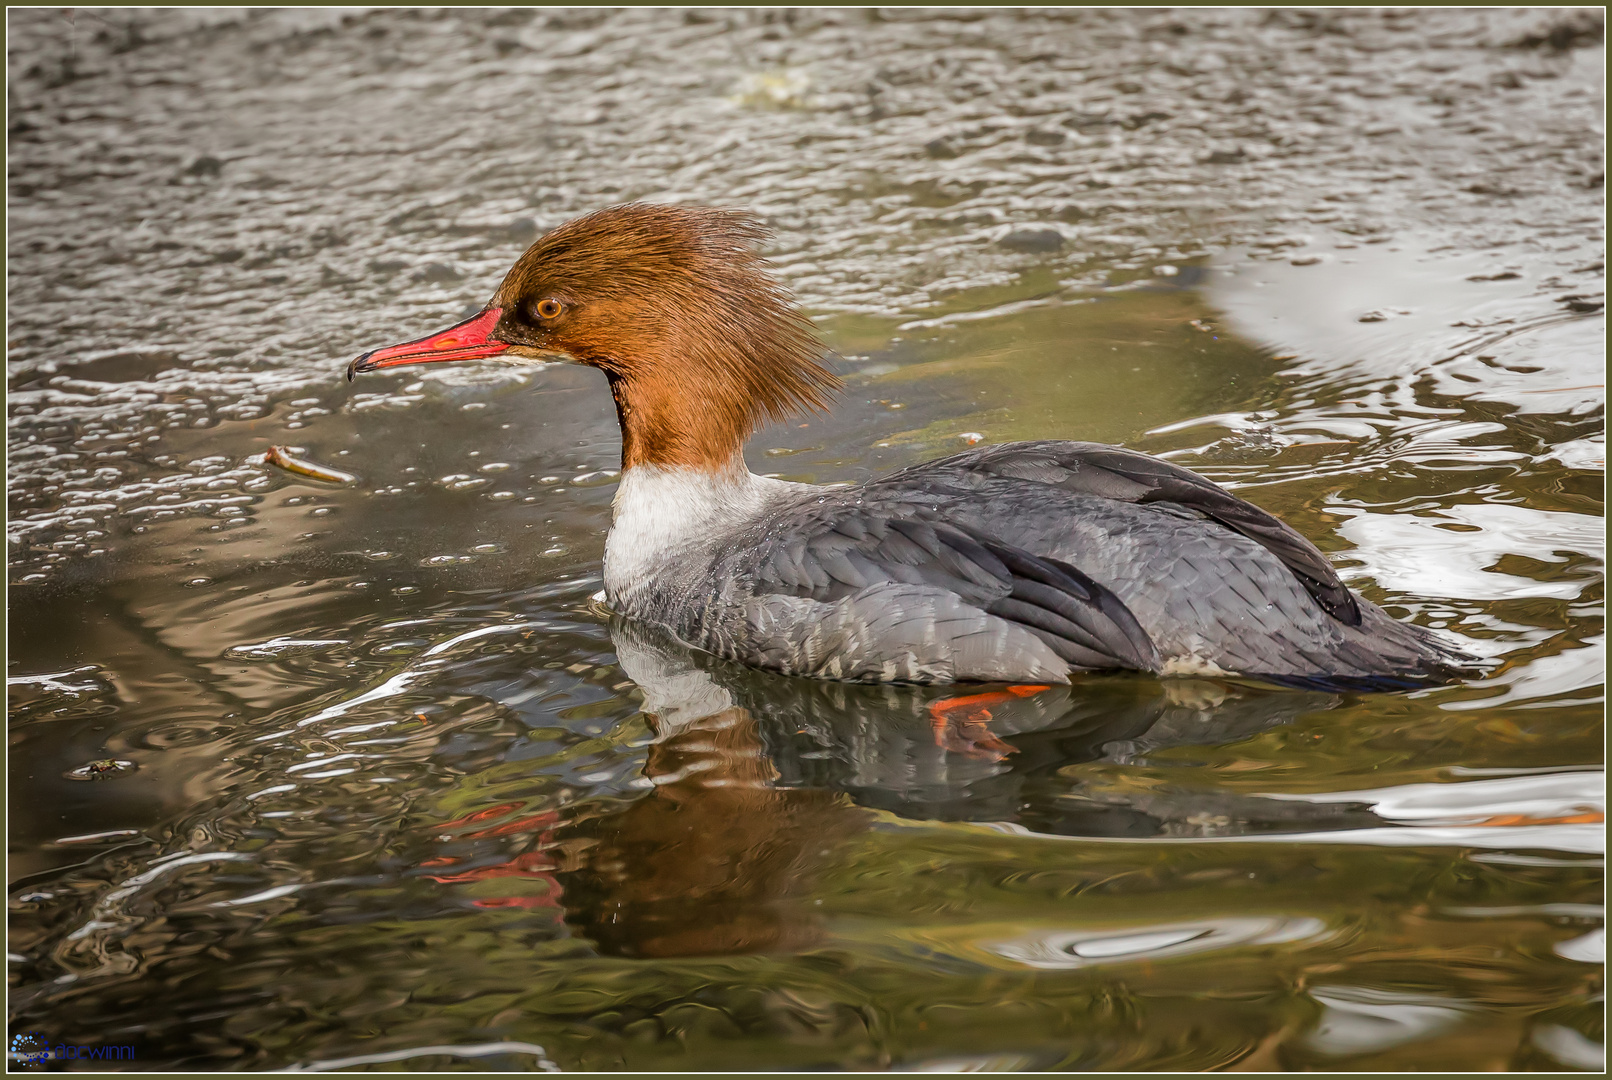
[1021,563]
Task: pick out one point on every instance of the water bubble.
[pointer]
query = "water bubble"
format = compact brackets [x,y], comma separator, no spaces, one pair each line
[446,560]
[463,482]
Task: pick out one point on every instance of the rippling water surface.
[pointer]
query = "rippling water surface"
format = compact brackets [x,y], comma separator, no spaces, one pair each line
[342,774]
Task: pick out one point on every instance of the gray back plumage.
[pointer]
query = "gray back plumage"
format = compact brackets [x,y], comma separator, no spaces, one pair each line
[1025,562]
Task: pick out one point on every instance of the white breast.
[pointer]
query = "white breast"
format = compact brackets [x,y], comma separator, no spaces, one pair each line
[670,516]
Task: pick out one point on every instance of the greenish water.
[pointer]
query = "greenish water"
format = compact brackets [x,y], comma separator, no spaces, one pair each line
[385,799]
[362,776]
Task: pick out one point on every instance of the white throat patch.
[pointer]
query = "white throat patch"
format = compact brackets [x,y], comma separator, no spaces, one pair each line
[669,514]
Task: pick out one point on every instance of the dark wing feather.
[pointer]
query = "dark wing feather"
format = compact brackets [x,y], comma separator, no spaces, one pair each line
[840,548]
[1127,476]
[1081,620]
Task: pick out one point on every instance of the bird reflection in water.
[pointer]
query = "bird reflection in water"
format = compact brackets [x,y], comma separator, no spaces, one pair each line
[760,782]
[717,858]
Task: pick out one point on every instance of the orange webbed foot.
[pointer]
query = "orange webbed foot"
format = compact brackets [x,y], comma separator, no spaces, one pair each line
[959,723]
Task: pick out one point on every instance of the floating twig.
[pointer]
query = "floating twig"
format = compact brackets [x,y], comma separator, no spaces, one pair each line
[282,456]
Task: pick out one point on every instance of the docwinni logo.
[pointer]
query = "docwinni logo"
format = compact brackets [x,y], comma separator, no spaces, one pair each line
[32,1048]
[29,1048]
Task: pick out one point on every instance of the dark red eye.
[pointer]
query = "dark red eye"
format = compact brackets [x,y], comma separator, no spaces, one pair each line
[549,308]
